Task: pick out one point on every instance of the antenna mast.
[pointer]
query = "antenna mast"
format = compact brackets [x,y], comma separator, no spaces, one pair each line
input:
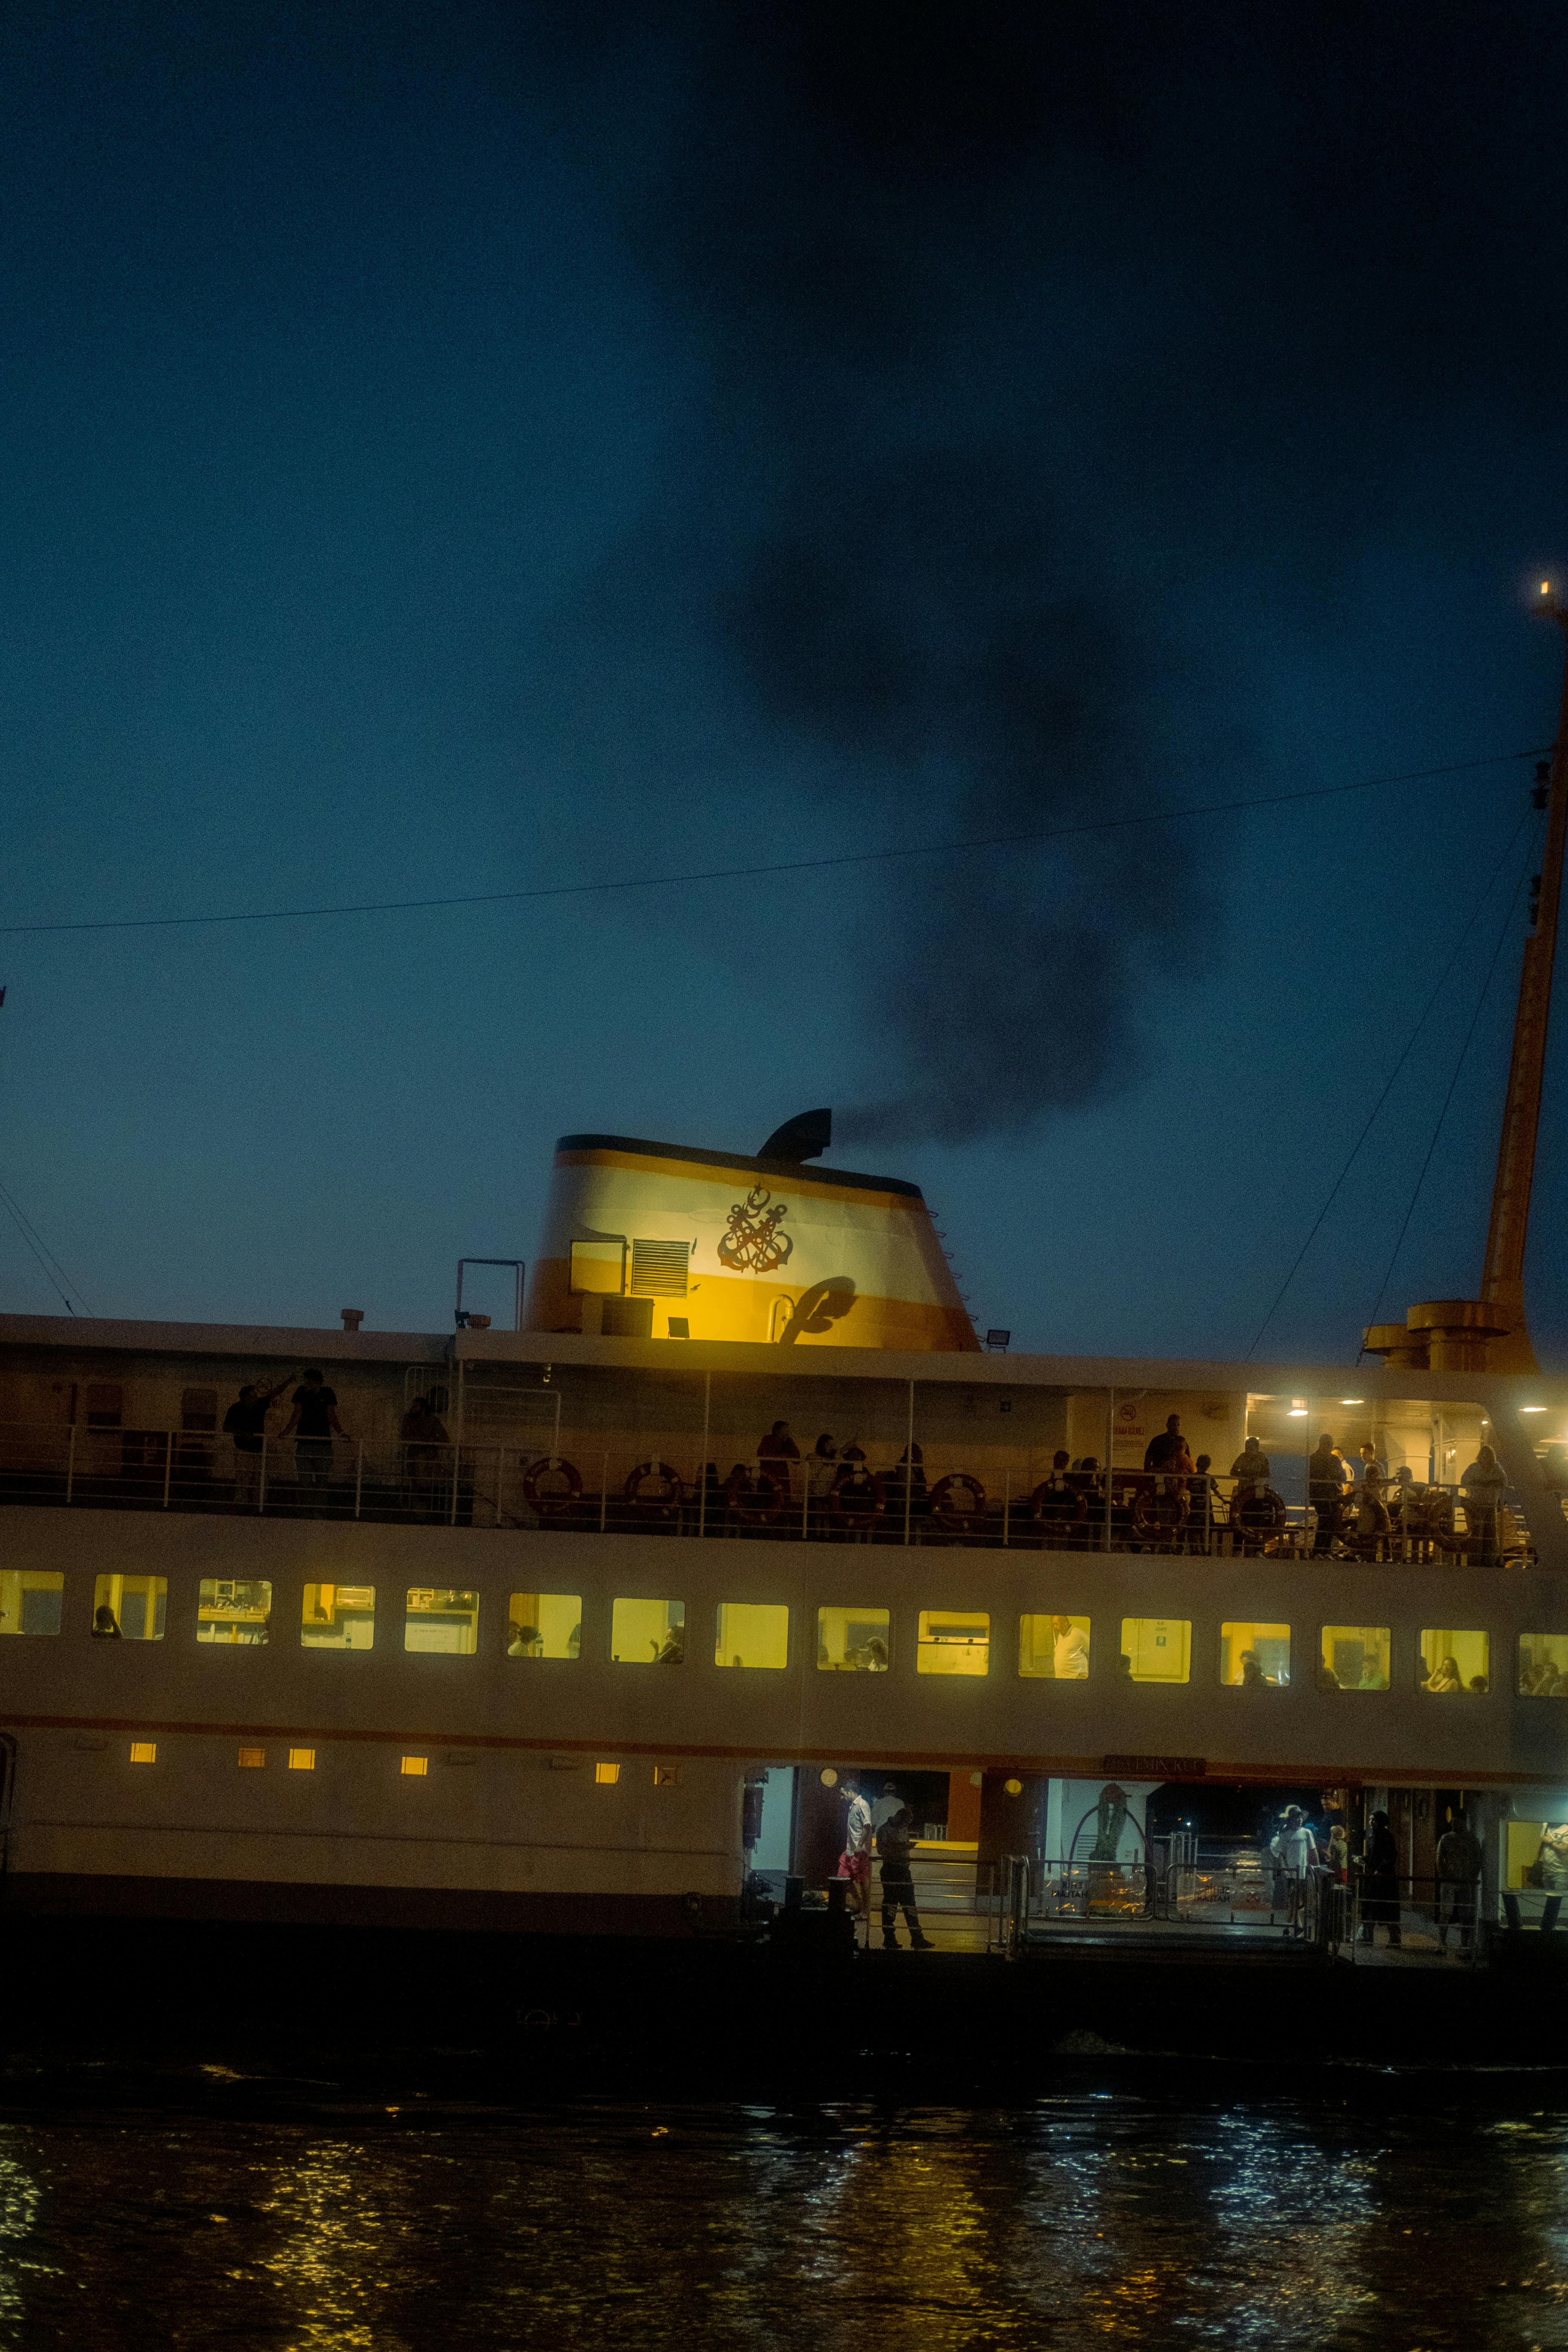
[1491,1333]
[1502,1276]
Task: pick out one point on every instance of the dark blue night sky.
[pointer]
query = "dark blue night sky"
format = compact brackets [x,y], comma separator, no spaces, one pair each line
[451,450]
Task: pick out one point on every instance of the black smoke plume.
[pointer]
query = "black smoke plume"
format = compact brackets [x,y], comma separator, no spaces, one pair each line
[989,300]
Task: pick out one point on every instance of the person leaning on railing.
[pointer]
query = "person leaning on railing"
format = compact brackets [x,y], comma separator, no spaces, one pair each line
[246,1423]
[1482,1488]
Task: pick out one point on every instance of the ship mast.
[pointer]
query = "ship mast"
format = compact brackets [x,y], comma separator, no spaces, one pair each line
[1502,1277]
[1491,1333]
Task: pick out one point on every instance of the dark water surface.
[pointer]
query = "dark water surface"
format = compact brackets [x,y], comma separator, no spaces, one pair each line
[1376,2211]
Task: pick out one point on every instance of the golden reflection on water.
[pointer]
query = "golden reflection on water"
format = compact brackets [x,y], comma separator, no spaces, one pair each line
[1073,2221]
[334,2261]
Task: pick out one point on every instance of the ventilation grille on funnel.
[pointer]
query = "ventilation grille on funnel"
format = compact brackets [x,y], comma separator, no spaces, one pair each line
[660,1269]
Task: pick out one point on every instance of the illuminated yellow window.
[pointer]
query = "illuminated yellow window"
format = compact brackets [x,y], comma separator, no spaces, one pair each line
[953,1641]
[544,1625]
[143,1751]
[1054,1647]
[338,1617]
[752,1633]
[667,1776]
[252,1759]
[1155,1649]
[302,1760]
[440,1618]
[31,1600]
[1355,1658]
[606,1775]
[235,1611]
[414,1768]
[853,1640]
[129,1608]
[1453,1663]
[1543,1665]
[647,1632]
[1254,1658]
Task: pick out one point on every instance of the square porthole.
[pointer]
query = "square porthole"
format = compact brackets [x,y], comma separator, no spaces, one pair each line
[414,1768]
[667,1776]
[606,1775]
[302,1760]
[251,1759]
[143,1751]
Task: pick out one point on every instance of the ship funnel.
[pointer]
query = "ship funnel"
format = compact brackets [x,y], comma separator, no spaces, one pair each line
[657,1240]
[805,1137]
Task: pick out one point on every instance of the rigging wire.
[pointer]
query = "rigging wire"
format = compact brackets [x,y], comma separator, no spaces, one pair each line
[1442,1115]
[753,872]
[1388,1087]
[55,1273]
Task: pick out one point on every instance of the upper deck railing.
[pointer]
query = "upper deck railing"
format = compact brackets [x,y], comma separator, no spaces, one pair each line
[628,1488]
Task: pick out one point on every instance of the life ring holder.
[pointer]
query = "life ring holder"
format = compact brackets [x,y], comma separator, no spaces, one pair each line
[755,1501]
[664,1505]
[551,1504]
[1159,1517]
[1059,1508]
[1262,1518]
[856,1475]
[970,1522]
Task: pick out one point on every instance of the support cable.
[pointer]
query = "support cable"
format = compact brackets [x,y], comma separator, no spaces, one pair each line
[1388,1087]
[1442,1115]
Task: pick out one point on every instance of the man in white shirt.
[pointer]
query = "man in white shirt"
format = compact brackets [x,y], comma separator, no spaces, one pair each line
[1295,1851]
[854,1862]
[1069,1654]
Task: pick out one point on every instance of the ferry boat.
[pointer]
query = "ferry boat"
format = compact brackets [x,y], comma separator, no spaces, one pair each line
[586,1627]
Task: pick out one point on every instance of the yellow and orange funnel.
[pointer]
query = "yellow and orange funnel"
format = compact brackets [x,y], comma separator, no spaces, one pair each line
[656,1240]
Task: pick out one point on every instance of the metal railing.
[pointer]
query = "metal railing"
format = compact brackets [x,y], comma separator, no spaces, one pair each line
[637,1487]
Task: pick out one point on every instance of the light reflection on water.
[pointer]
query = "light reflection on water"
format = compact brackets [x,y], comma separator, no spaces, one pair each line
[1077,2221]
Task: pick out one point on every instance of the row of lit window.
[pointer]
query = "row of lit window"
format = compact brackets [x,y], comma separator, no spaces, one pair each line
[410,1767]
[756,1634]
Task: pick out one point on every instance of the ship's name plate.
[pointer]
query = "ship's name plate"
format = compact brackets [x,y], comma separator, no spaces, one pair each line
[1156,1768]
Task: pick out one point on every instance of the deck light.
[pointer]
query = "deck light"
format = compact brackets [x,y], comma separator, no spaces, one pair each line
[1353,1400]
[1532,1408]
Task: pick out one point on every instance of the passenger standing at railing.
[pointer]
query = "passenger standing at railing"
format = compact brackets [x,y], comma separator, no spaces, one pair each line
[1458,1876]
[854,1862]
[1296,1852]
[1166,1449]
[1380,1884]
[1482,1488]
[1251,1465]
[1326,1476]
[315,1418]
[246,1422]
[774,1451]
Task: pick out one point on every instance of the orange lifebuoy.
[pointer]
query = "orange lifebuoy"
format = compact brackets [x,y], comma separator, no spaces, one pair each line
[1259,1517]
[549,1502]
[664,1504]
[1059,1508]
[752,1501]
[961,1522]
[1160,1515]
[855,1479]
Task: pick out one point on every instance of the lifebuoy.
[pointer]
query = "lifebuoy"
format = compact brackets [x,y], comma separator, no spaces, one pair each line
[550,1502]
[752,1501]
[970,1521]
[1259,1517]
[871,1497]
[664,1504]
[1058,1507]
[1158,1514]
